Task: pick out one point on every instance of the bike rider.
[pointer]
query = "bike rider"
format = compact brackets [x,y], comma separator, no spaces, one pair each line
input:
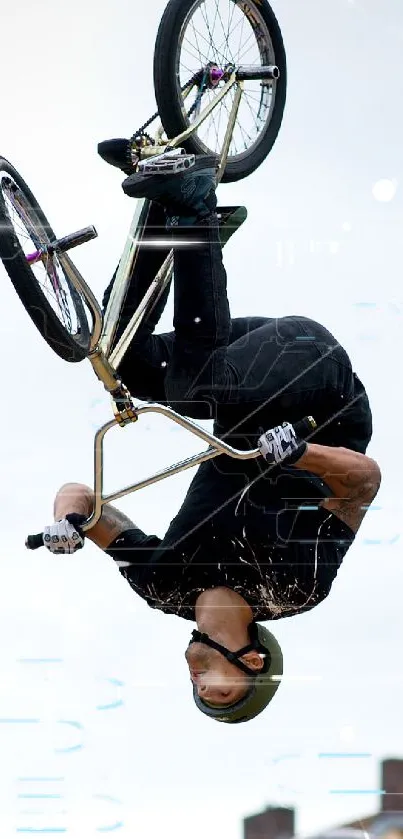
[255,541]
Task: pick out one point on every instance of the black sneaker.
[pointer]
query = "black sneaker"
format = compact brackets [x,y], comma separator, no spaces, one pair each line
[187,196]
[118,153]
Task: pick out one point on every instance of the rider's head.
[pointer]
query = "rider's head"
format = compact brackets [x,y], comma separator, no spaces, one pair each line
[234,685]
[217,681]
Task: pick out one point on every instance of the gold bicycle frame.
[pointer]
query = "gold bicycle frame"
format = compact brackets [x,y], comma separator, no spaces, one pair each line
[105,361]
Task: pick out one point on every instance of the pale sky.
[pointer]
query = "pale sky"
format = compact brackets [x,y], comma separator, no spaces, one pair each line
[76,639]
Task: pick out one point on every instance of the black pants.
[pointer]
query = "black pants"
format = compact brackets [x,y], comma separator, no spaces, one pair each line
[248,374]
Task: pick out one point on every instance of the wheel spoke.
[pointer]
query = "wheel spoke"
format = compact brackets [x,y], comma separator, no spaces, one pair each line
[201,54]
[238,24]
[226,36]
[231,17]
[240,36]
[210,42]
[202,59]
[219,32]
[216,53]
[31,237]
[252,112]
[245,50]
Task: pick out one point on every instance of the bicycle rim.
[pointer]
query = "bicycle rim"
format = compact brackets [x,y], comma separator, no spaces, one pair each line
[34,238]
[226,32]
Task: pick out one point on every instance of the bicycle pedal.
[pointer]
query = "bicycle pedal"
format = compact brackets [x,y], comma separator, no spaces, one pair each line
[167,164]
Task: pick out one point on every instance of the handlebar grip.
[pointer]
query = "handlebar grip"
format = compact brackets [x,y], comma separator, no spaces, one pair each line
[35,541]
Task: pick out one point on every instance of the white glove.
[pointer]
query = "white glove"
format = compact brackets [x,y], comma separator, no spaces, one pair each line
[281,444]
[64,536]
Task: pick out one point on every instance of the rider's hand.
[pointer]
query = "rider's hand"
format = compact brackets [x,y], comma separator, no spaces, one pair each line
[65,536]
[281,445]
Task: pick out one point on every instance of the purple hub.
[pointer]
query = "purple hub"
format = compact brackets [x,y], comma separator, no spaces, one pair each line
[216,75]
[33,257]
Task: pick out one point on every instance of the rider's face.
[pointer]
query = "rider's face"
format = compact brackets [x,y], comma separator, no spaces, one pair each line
[218,682]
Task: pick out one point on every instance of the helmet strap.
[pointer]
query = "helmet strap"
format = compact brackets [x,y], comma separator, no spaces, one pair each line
[233,657]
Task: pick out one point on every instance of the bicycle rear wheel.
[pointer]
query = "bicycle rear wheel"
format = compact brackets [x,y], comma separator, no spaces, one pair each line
[199,39]
[46,292]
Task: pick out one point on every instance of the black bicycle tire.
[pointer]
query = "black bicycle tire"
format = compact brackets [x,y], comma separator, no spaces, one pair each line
[166,90]
[68,347]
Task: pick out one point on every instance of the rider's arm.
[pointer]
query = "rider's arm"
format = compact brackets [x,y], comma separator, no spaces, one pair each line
[78,498]
[353,478]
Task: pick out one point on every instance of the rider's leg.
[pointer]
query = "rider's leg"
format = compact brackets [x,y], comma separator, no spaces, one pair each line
[284,369]
[288,367]
[145,364]
[143,368]
[282,366]
[202,319]
[150,257]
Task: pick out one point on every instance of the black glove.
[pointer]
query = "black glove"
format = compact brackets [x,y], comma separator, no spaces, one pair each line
[65,536]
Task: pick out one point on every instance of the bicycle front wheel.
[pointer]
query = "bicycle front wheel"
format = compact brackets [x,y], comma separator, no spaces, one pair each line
[200,40]
[46,292]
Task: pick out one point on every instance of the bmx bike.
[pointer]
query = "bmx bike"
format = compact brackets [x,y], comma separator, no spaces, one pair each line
[205,94]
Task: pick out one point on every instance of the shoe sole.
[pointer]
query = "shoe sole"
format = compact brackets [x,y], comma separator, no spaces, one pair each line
[134,184]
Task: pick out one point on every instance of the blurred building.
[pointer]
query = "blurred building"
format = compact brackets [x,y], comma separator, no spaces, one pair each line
[387,823]
[273,823]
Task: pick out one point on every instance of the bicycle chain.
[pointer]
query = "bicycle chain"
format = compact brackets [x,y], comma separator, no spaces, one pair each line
[196,102]
[141,132]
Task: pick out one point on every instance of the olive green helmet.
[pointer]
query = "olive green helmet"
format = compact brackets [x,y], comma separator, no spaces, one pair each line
[263,684]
